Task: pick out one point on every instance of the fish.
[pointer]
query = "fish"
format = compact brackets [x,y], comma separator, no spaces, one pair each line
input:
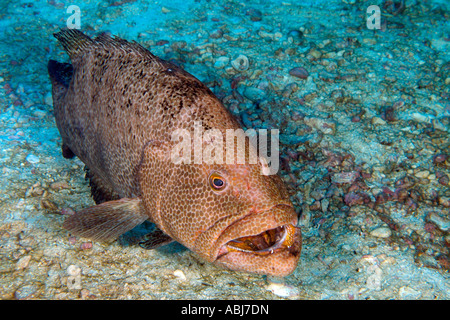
[117,106]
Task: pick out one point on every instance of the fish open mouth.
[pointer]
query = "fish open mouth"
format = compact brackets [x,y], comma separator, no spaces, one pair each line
[264,243]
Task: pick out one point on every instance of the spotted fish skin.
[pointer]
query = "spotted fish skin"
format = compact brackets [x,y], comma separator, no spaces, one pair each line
[116,107]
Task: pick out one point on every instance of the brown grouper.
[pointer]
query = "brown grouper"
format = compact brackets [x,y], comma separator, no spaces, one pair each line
[116,107]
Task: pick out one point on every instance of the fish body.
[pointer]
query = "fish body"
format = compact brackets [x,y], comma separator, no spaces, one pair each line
[116,107]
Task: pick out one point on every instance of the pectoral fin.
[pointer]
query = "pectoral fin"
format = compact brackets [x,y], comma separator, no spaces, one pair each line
[108,220]
[155,239]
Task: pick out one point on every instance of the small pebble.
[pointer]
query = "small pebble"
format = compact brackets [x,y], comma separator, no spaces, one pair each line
[447,240]
[422,174]
[382,232]
[326,126]
[31,158]
[240,63]
[254,94]
[23,262]
[72,240]
[48,99]
[440,158]
[314,54]
[345,177]
[444,201]
[283,290]
[216,34]
[245,120]
[324,204]
[408,293]
[143,35]
[378,121]
[85,294]
[296,35]
[165,10]
[255,14]
[162,42]
[49,205]
[444,180]
[420,117]
[439,220]
[221,62]
[40,113]
[25,292]
[373,282]
[389,114]
[180,275]
[299,72]
[67,211]
[59,185]
[86,245]
[73,270]
[292,139]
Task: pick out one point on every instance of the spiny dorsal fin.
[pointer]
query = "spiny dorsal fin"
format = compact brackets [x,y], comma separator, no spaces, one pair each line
[74,41]
[104,39]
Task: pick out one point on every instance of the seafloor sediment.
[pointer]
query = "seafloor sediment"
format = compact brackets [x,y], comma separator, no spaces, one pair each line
[364,118]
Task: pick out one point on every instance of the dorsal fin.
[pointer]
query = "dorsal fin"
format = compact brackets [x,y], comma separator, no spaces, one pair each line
[104,39]
[73,41]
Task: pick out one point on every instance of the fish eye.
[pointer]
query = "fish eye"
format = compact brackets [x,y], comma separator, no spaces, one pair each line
[217,182]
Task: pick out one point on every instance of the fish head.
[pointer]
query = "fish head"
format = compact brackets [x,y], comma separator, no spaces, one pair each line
[233,215]
[254,223]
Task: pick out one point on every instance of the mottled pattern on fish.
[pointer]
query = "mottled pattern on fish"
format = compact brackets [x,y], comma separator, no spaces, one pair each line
[116,107]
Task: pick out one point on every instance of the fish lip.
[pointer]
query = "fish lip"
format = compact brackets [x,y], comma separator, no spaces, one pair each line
[279,263]
[219,249]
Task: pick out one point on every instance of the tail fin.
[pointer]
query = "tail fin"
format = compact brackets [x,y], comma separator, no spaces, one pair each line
[73,41]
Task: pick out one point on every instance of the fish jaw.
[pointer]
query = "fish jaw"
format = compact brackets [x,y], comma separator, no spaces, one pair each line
[264,242]
[281,263]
